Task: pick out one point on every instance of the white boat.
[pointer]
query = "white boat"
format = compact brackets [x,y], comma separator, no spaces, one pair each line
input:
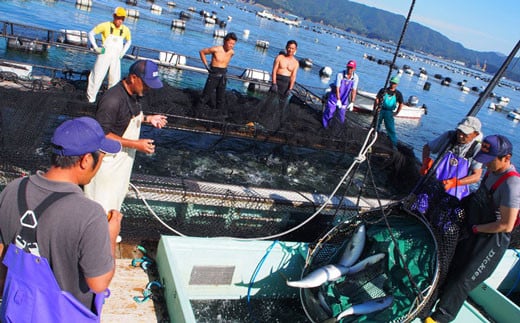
[515,114]
[201,271]
[365,104]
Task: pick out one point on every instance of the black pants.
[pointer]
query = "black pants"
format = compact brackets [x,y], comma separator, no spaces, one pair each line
[216,81]
[475,260]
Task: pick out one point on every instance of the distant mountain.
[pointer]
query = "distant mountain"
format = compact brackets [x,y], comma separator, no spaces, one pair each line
[386,26]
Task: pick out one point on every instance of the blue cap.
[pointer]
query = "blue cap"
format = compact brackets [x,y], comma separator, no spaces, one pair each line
[492,147]
[148,71]
[395,79]
[80,136]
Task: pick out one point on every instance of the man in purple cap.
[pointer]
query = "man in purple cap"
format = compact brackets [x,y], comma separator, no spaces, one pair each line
[120,115]
[60,250]
[491,215]
[342,95]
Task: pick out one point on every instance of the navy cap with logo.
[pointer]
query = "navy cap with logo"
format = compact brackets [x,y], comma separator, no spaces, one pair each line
[148,71]
[80,136]
[492,147]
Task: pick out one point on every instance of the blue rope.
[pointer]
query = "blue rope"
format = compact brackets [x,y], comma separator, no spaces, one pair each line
[517,278]
[255,272]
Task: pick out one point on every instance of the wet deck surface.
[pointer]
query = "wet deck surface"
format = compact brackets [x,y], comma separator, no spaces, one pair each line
[129,281]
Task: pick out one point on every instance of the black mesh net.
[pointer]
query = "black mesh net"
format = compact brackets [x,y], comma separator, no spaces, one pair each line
[275,134]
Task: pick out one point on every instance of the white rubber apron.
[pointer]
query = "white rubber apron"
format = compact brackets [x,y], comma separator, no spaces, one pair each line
[109,61]
[110,185]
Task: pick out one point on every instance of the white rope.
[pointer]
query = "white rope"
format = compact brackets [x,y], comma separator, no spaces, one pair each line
[360,158]
[153,213]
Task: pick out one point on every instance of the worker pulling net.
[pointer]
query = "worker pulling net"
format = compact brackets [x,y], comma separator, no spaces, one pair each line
[377,268]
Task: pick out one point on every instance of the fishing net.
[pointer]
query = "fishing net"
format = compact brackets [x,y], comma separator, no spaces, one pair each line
[408,273]
[251,123]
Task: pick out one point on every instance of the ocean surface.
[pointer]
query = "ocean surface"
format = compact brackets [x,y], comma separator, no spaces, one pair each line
[446,104]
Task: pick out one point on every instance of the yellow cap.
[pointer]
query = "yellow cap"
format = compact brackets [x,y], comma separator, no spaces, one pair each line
[120,12]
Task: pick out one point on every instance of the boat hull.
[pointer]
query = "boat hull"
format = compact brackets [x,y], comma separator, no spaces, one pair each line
[365,104]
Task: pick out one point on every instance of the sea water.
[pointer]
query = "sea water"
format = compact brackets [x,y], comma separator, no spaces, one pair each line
[446,104]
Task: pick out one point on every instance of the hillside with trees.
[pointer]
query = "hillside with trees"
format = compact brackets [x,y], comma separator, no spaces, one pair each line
[386,26]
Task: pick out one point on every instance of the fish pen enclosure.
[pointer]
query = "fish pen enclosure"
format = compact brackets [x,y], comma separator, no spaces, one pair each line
[256,142]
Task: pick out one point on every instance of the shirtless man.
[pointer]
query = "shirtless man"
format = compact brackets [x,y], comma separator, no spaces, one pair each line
[285,68]
[220,57]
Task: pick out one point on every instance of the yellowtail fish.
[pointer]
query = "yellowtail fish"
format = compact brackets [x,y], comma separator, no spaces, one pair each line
[319,276]
[368,261]
[354,248]
[371,306]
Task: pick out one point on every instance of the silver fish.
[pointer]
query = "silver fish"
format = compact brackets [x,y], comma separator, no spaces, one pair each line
[354,248]
[365,263]
[374,305]
[319,276]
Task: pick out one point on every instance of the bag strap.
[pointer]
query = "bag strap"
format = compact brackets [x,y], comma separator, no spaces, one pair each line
[500,180]
[29,218]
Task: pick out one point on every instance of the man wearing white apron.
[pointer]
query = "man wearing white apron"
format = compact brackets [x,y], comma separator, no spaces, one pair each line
[120,115]
[113,34]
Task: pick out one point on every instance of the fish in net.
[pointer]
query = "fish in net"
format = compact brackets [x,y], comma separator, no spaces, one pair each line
[406,275]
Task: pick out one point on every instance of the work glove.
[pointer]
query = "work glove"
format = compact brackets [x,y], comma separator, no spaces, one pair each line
[339,104]
[426,165]
[350,106]
[99,50]
[287,92]
[208,67]
[450,183]
[273,88]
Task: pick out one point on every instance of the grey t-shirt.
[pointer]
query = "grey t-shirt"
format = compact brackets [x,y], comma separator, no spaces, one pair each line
[508,193]
[458,149]
[72,234]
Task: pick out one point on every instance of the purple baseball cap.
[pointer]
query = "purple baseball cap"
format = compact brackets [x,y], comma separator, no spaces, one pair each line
[80,136]
[492,147]
[148,71]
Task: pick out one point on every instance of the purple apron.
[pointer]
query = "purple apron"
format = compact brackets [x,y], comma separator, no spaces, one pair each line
[451,166]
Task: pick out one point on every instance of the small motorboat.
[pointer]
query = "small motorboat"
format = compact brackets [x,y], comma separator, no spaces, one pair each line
[365,104]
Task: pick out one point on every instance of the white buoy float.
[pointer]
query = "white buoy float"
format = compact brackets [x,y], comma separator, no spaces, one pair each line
[325,71]
[179,24]
[86,3]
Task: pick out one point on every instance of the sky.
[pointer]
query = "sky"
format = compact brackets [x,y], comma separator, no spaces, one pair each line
[480,25]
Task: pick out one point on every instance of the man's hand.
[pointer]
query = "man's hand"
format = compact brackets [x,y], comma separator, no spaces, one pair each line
[207,67]
[339,104]
[450,183]
[287,92]
[350,106]
[157,120]
[99,50]
[426,165]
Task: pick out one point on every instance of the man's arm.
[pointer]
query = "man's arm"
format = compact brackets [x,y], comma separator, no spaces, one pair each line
[276,66]
[505,224]
[100,283]
[202,53]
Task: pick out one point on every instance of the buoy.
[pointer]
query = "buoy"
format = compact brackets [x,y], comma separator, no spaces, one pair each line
[131,2]
[245,34]
[87,3]
[325,71]
[219,33]
[156,9]
[179,24]
[262,44]
[426,86]
[132,13]
[172,58]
